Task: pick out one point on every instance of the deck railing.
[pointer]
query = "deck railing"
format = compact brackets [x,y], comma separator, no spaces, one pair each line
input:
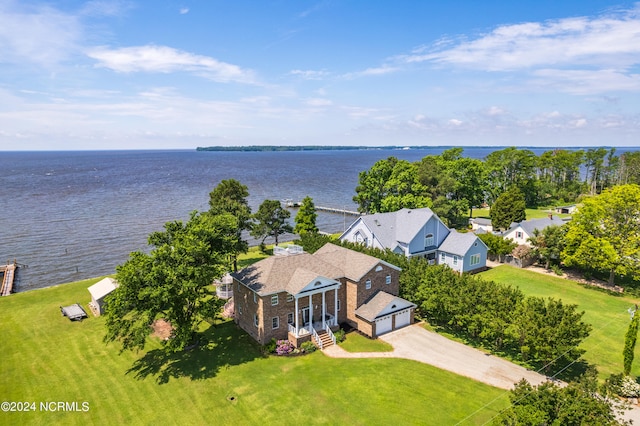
[316,337]
[330,333]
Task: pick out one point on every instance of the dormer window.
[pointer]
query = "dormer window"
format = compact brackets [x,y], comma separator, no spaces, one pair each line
[428,240]
[367,284]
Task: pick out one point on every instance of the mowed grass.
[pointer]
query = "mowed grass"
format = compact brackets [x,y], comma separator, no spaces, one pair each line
[47,358]
[355,342]
[606,313]
[539,213]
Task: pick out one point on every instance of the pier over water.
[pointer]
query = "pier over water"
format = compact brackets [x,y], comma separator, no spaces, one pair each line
[8,272]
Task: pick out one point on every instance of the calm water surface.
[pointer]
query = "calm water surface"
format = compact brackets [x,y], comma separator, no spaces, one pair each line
[76,215]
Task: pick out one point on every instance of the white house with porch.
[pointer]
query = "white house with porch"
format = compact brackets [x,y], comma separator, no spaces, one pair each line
[299,296]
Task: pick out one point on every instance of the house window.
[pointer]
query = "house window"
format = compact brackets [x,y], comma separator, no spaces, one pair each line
[519,234]
[388,279]
[290,318]
[443,257]
[274,300]
[239,309]
[289,297]
[367,284]
[338,304]
[255,298]
[428,240]
[475,259]
[455,260]
[275,322]
[255,319]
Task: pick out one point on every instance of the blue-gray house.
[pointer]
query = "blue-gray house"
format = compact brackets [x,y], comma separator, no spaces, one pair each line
[419,233]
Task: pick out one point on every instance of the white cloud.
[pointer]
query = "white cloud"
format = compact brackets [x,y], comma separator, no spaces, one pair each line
[602,41]
[163,59]
[184,11]
[319,102]
[310,74]
[40,35]
[455,122]
[382,70]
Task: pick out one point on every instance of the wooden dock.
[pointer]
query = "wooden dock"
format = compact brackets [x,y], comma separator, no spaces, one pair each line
[336,210]
[7,280]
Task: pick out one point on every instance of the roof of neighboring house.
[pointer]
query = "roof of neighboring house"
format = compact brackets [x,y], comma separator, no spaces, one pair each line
[459,243]
[480,221]
[103,287]
[531,225]
[399,226]
[382,303]
[293,272]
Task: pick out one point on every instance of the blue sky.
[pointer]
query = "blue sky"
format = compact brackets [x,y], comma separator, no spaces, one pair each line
[180,74]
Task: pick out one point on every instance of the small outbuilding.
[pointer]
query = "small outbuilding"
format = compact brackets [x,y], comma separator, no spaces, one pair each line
[98,292]
[74,312]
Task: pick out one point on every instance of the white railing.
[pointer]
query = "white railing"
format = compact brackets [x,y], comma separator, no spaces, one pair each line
[287,250]
[316,337]
[302,331]
[224,293]
[330,333]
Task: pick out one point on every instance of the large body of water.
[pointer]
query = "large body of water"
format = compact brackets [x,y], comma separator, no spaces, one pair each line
[75,215]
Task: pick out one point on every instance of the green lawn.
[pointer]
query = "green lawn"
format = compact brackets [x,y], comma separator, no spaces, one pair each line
[606,313]
[47,358]
[355,342]
[531,213]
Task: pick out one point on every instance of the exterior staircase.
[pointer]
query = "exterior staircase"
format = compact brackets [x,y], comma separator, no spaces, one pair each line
[325,339]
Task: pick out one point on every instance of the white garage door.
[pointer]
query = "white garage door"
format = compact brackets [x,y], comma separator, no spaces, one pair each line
[403,319]
[383,326]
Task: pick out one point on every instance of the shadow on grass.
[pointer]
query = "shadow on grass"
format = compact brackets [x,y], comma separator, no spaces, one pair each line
[220,347]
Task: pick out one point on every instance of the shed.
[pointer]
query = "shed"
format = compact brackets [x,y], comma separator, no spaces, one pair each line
[98,292]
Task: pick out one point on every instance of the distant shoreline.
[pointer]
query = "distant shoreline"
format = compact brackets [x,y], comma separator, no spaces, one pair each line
[284,148]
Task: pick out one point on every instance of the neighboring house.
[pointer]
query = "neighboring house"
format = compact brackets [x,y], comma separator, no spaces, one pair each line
[298,296]
[419,233]
[98,292]
[522,231]
[481,224]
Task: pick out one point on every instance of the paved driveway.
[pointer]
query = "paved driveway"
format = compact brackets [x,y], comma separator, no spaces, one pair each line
[414,342]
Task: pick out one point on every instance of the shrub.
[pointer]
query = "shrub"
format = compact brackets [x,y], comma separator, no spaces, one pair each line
[270,347]
[308,347]
[284,347]
[340,335]
[557,269]
[625,386]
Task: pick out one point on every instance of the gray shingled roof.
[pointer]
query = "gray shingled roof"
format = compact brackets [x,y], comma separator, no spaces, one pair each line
[382,300]
[293,272]
[399,226]
[530,225]
[459,243]
[481,221]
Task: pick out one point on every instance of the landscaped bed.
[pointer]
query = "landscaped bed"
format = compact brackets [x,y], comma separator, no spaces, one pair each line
[224,380]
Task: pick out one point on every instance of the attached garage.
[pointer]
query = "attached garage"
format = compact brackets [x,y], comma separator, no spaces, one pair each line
[403,318]
[386,311]
[384,325]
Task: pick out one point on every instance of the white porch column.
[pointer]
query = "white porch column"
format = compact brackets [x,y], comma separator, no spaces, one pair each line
[335,307]
[296,316]
[310,312]
[324,311]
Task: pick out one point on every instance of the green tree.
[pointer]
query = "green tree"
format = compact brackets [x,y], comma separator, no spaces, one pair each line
[371,189]
[230,196]
[576,404]
[498,246]
[630,342]
[306,218]
[509,207]
[511,167]
[271,221]
[548,243]
[605,232]
[172,282]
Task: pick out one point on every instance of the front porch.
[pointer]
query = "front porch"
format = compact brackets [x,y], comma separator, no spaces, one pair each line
[311,322]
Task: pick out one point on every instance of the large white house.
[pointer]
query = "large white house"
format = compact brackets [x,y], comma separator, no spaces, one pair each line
[419,233]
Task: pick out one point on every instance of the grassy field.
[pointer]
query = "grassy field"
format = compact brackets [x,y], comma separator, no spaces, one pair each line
[605,312]
[355,342]
[47,358]
[531,213]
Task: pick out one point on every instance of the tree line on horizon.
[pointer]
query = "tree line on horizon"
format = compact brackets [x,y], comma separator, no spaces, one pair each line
[453,185]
